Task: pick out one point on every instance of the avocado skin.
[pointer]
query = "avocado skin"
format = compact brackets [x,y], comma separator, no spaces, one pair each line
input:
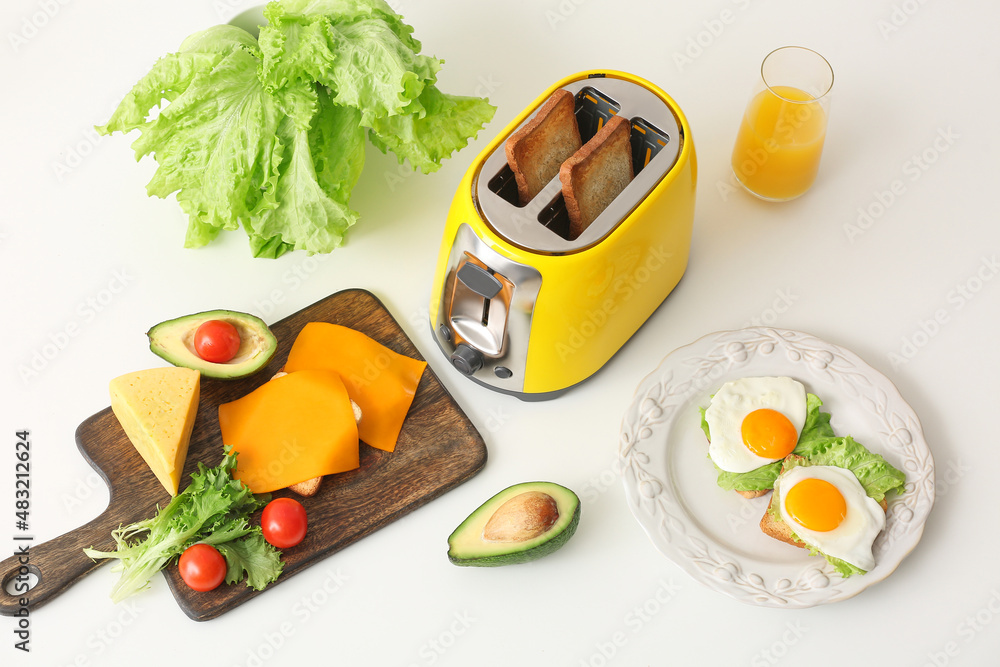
[172,340]
[515,555]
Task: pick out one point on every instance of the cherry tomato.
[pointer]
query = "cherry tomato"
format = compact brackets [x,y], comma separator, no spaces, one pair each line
[202,567]
[284,522]
[216,341]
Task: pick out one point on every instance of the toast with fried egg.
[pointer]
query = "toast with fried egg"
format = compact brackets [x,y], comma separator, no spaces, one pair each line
[828,511]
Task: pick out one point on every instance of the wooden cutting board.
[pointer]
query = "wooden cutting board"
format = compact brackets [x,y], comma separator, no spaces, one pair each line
[438,449]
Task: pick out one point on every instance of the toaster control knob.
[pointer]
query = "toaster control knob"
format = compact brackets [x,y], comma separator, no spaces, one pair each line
[466,359]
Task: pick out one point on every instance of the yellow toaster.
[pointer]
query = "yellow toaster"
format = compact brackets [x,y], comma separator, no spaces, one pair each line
[519,306]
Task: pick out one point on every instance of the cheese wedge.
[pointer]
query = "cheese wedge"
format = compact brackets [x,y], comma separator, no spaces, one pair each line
[156,408]
[381,381]
[290,429]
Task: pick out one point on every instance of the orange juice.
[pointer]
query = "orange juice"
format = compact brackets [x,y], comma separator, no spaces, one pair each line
[780,142]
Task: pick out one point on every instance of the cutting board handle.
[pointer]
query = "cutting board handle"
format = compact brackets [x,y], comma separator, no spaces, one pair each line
[58,564]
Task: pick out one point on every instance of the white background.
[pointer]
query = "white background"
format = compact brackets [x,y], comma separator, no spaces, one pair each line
[77,229]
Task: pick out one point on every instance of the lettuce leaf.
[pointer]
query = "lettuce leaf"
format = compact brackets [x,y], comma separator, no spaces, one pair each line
[426,138]
[268,134]
[876,475]
[816,427]
[212,140]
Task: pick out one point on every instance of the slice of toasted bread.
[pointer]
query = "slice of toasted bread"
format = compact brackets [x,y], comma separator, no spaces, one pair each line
[774,526]
[535,151]
[306,488]
[777,528]
[596,174]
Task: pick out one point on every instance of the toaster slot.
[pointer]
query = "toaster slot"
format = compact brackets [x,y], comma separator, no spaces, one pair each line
[646,140]
[555,217]
[593,109]
[542,225]
[504,185]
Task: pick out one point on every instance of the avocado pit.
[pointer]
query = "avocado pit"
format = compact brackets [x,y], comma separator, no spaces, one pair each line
[522,518]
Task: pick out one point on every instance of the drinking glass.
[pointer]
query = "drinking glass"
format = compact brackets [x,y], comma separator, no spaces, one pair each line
[778,148]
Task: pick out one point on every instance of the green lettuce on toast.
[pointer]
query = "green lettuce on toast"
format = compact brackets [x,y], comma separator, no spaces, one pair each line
[877,478]
[816,427]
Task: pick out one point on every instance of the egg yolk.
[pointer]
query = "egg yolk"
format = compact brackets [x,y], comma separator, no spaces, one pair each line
[769,433]
[816,504]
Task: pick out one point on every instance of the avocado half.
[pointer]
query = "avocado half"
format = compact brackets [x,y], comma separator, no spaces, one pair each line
[173,340]
[521,523]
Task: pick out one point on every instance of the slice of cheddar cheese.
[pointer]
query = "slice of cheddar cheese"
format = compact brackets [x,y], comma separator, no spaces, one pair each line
[156,408]
[290,429]
[382,382]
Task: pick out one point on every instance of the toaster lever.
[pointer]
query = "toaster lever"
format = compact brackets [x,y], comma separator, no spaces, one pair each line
[479,280]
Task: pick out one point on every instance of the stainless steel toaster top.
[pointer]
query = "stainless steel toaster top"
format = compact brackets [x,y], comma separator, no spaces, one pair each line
[538,226]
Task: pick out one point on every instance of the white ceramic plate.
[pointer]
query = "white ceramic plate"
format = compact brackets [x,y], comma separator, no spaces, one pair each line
[713,534]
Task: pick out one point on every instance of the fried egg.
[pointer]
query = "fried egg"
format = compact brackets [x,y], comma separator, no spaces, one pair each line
[754,421]
[828,509]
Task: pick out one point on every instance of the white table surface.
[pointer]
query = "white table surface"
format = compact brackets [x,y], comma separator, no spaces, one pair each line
[83,248]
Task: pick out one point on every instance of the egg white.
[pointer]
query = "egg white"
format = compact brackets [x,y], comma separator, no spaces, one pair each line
[852,540]
[738,398]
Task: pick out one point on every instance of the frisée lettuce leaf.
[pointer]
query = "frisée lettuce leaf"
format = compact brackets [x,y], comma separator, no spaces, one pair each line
[214,508]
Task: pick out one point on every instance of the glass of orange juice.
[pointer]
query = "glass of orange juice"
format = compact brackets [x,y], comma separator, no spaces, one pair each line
[780,141]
